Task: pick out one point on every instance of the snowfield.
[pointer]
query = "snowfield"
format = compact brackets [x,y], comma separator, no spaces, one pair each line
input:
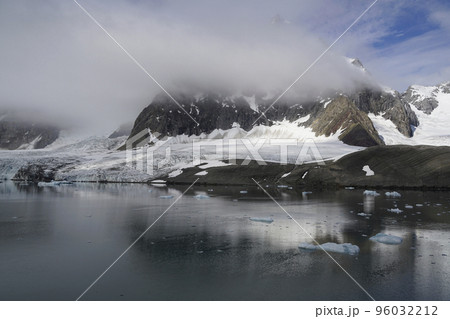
[96,159]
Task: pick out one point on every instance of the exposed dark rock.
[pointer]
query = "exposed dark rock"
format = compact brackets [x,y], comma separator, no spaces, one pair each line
[392,107]
[426,105]
[341,113]
[395,167]
[123,130]
[16,133]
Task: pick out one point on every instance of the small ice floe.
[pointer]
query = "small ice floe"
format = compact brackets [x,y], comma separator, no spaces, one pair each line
[368,171]
[395,210]
[54,183]
[286,175]
[364,214]
[409,206]
[349,188]
[304,175]
[282,186]
[202,173]
[158,181]
[387,239]
[419,205]
[393,194]
[166,196]
[243,192]
[201,196]
[306,193]
[346,248]
[267,220]
[370,193]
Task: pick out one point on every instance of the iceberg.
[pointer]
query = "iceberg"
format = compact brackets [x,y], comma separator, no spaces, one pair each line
[387,239]
[370,193]
[53,183]
[393,194]
[364,214]
[267,220]
[201,197]
[346,248]
[395,210]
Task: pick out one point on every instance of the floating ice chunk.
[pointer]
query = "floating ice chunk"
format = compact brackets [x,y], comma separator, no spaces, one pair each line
[364,214]
[395,210]
[306,193]
[282,186]
[53,183]
[201,196]
[202,173]
[333,247]
[286,175]
[409,206]
[243,192]
[349,188]
[387,239]
[368,171]
[267,220]
[166,197]
[304,175]
[158,181]
[419,205]
[370,193]
[393,194]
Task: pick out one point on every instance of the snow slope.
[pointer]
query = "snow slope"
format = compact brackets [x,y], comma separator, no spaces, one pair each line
[433,128]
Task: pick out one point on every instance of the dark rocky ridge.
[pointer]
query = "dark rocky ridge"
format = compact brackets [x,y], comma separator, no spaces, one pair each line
[395,167]
[219,111]
[15,133]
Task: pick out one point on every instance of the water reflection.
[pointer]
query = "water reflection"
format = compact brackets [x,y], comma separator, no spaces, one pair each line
[56,240]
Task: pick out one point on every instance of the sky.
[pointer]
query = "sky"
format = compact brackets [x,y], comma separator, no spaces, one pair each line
[57,64]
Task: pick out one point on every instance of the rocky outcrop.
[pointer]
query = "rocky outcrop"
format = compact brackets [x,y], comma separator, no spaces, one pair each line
[424,98]
[390,106]
[394,167]
[341,114]
[123,130]
[15,134]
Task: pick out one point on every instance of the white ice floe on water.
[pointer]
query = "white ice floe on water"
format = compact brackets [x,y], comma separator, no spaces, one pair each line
[346,248]
[387,239]
[53,183]
[267,220]
[202,173]
[368,171]
[166,196]
[393,194]
[286,175]
[370,193]
[201,196]
[364,214]
[243,192]
[395,210]
[158,181]
[409,206]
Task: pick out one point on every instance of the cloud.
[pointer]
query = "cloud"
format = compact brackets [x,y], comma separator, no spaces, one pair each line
[54,59]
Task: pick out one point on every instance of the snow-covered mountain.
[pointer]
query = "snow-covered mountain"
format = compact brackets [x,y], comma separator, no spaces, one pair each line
[348,115]
[18,133]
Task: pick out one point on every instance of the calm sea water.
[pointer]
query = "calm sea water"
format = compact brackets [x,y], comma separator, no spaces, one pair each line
[55,241]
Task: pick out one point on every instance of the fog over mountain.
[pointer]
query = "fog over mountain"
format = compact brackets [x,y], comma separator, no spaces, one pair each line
[56,60]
